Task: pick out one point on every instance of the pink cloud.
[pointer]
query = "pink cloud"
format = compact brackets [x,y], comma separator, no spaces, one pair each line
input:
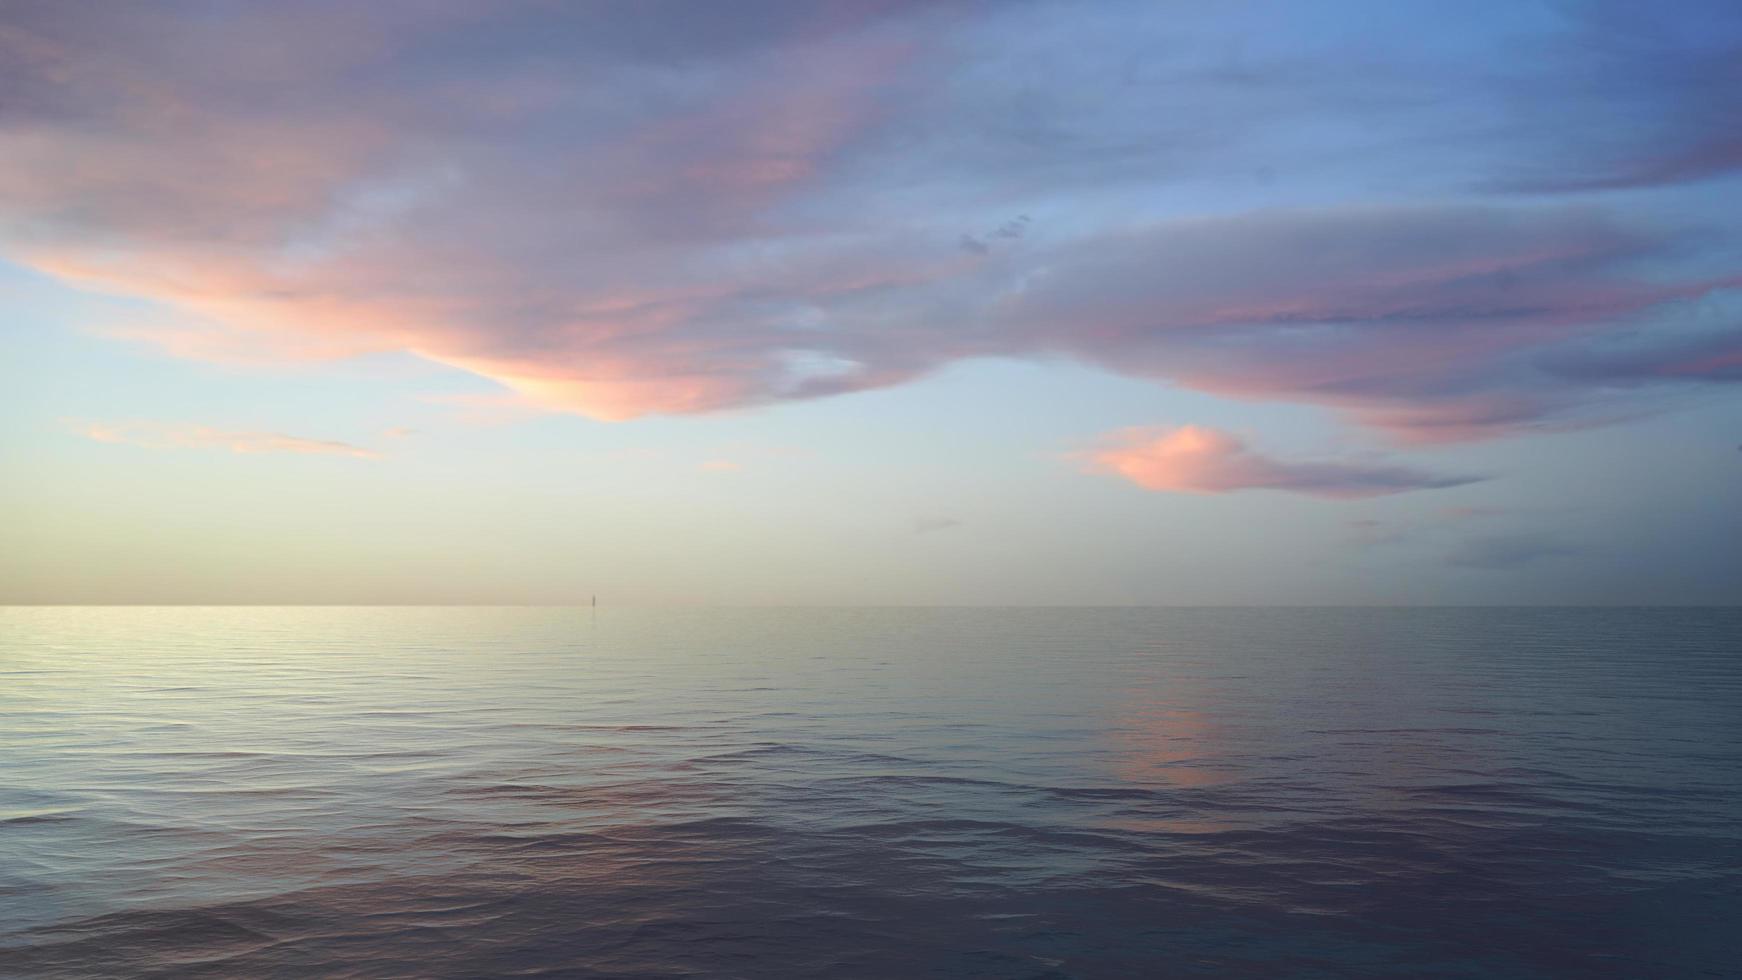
[163,435]
[721,466]
[1195,459]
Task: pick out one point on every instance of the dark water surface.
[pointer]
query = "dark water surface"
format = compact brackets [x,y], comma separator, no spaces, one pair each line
[870,793]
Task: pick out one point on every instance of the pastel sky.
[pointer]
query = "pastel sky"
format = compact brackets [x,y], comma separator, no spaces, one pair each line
[872,301]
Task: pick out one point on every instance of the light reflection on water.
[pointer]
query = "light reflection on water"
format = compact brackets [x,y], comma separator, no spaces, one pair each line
[1001,793]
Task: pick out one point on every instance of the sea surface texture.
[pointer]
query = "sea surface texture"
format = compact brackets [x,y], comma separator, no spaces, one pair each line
[895,793]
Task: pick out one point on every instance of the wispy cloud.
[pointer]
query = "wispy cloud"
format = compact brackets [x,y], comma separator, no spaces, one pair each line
[1195,459]
[1506,551]
[931,525]
[1369,532]
[167,435]
[720,466]
[1471,512]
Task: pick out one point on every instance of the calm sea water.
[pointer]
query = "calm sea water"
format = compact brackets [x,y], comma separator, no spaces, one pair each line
[870,793]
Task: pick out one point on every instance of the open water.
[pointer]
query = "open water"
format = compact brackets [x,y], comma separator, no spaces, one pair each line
[1033,793]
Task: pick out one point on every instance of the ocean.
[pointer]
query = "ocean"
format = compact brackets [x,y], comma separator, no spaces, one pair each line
[889,793]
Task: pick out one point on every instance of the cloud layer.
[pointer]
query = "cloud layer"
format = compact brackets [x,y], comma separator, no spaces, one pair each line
[623,212]
[1195,459]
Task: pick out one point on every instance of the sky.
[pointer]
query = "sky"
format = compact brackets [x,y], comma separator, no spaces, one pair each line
[871,302]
